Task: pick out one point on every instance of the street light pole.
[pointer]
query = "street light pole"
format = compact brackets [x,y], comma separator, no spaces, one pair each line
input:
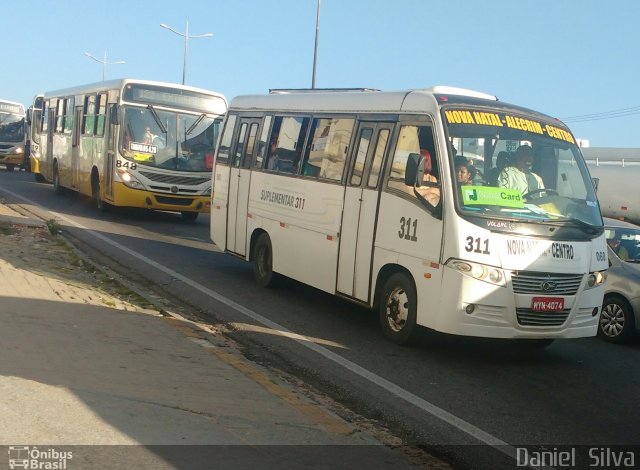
[186,37]
[104,63]
[315,49]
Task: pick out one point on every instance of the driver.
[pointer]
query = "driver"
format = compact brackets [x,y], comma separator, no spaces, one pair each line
[520,176]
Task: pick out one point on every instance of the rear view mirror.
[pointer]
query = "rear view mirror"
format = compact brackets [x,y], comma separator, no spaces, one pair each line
[414,172]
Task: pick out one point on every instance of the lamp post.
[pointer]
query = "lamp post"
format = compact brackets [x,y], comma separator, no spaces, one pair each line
[186,37]
[104,62]
[315,49]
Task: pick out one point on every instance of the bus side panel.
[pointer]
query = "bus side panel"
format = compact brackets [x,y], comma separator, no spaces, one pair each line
[219,206]
[307,215]
[62,155]
[411,237]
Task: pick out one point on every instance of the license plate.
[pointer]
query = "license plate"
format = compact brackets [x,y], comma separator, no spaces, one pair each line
[547,304]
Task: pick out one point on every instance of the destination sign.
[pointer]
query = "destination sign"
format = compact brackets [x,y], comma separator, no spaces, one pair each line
[500,119]
[173,97]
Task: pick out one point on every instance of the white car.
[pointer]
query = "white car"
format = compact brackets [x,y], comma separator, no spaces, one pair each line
[620,317]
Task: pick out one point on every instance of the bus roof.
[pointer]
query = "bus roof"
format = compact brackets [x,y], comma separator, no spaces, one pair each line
[370,100]
[117,84]
[13,103]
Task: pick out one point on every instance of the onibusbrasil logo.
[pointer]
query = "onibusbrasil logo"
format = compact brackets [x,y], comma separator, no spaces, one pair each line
[30,457]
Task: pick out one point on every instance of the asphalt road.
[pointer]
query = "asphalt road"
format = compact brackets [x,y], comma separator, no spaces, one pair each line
[472,401]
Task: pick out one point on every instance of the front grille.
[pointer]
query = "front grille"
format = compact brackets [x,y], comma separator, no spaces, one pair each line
[176,201]
[173,179]
[530,282]
[528,317]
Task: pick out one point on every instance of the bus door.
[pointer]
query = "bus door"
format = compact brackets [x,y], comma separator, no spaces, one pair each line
[239,179]
[51,123]
[76,148]
[360,210]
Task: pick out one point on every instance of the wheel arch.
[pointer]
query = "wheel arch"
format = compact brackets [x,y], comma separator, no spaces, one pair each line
[385,273]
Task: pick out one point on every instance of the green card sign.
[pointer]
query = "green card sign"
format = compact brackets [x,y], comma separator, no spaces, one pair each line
[487,195]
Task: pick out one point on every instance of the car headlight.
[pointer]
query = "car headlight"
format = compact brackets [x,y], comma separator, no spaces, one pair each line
[596,278]
[482,272]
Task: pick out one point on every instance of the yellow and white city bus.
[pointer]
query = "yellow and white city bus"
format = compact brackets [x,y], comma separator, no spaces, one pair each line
[356,194]
[12,134]
[132,143]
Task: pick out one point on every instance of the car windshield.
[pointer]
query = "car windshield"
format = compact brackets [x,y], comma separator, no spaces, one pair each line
[518,166]
[11,128]
[168,139]
[625,242]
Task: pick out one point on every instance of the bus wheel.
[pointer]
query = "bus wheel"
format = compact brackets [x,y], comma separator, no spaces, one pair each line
[56,180]
[189,216]
[10,166]
[39,178]
[95,195]
[263,261]
[398,309]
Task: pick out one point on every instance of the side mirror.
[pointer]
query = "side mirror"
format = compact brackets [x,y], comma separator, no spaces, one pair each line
[414,172]
[595,182]
[113,115]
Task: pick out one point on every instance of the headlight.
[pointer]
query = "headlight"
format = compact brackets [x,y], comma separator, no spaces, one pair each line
[129,180]
[19,150]
[596,278]
[482,272]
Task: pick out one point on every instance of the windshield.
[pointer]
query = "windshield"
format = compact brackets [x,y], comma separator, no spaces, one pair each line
[510,165]
[625,242]
[167,139]
[11,128]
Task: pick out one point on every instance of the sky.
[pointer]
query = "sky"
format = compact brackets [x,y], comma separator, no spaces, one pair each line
[572,59]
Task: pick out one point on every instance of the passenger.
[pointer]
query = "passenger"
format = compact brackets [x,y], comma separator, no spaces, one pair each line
[520,176]
[465,171]
[148,136]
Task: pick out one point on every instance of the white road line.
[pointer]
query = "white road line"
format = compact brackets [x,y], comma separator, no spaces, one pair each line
[390,387]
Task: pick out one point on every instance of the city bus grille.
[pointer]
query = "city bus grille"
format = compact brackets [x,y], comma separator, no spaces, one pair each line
[528,317]
[175,201]
[173,179]
[528,282]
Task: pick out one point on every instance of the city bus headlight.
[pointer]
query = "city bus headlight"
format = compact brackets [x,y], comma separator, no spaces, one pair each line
[129,180]
[596,278]
[479,271]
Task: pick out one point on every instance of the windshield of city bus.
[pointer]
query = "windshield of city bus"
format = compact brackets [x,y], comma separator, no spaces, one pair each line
[11,128]
[524,168]
[168,139]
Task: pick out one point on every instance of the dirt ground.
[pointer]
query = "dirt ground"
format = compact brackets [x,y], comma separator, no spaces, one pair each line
[37,248]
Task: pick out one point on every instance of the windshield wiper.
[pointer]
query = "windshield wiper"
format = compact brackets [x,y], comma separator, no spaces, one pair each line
[579,222]
[157,119]
[193,126]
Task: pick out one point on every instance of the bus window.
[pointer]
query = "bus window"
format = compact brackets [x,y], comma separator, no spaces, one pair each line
[361,154]
[326,156]
[262,143]
[225,143]
[381,146]
[288,135]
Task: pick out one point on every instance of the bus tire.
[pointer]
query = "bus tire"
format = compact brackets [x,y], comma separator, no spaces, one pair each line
[263,261]
[100,204]
[39,178]
[189,216]
[56,180]
[398,309]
